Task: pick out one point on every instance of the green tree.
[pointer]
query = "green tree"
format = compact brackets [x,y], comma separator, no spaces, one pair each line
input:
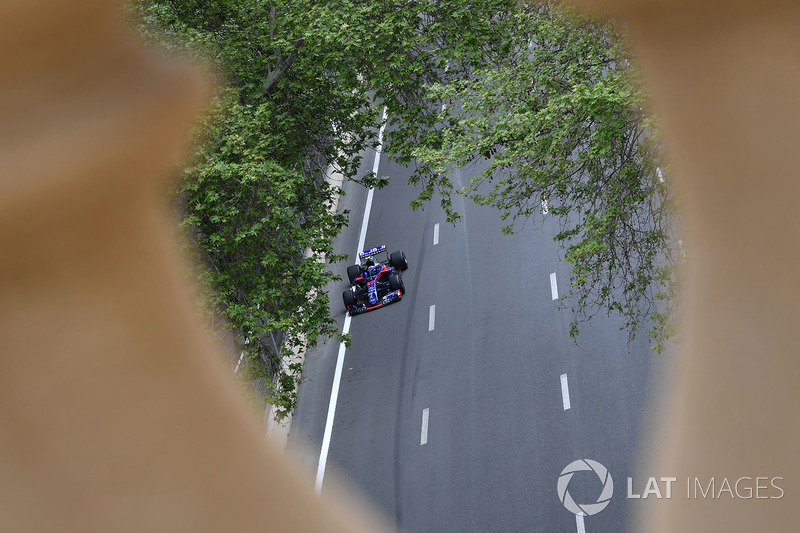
[549,99]
[255,200]
[555,110]
[300,83]
[544,96]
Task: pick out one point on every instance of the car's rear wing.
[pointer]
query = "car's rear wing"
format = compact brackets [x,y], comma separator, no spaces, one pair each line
[372,252]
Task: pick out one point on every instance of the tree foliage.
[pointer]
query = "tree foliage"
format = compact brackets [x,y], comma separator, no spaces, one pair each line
[255,200]
[300,80]
[542,96]
[556,113]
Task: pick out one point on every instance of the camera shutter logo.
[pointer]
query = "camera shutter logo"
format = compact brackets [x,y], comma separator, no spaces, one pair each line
[586,509]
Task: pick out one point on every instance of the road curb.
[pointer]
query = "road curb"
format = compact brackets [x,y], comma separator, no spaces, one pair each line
[279,431]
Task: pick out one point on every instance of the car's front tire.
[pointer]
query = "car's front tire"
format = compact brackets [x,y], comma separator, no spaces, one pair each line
[349,298]
[396,283]
[353,271]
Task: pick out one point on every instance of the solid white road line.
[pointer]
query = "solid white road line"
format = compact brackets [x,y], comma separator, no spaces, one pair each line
[553,286]
[432,318]
[565,391]
[423,437]
[436,234]
[238,363]
[326,438]
[579,523]
[337,375]
[446,68]
[368,208]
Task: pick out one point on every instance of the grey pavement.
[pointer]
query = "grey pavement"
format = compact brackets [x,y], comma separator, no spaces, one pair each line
[489,375]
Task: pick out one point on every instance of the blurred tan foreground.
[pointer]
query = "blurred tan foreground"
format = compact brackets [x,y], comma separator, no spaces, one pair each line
[115,412]
[725,78]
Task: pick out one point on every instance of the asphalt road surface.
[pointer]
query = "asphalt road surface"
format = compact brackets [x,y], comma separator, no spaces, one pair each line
[459,406]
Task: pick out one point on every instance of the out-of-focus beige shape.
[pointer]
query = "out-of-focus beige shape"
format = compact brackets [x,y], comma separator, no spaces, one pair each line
[725,77]
[116,413]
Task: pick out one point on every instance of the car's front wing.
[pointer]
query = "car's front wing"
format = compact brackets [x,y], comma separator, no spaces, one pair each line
[385,300]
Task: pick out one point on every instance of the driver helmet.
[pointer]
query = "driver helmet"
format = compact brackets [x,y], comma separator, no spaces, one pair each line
[369,263]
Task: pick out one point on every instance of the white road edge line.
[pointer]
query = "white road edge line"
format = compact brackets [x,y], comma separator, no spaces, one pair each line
[238,363]
[553,286]
[565,391]
[337,375]
[446,68]
[436,234]
[432,318]
[241,357]
[579,523]
[423,436]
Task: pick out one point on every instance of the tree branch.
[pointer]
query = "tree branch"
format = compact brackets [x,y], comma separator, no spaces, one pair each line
[281,67]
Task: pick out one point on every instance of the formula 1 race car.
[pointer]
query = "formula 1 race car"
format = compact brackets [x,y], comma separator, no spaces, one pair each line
[374,283]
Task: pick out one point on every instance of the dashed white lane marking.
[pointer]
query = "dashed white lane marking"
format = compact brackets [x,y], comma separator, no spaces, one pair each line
[337,375]
[553,286]
[545,209]
[432,318]
[436,234]
[579,523]
[565,391]
[660,174]
[423,436]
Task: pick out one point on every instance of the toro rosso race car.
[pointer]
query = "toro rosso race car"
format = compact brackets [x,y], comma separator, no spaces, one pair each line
[375,283]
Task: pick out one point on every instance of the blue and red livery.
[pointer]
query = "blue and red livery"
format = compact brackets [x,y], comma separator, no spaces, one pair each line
[374,283]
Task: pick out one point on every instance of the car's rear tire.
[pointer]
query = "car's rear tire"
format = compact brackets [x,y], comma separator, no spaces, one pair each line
[396,283]
[398,260]
[349,298]
[353,271]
